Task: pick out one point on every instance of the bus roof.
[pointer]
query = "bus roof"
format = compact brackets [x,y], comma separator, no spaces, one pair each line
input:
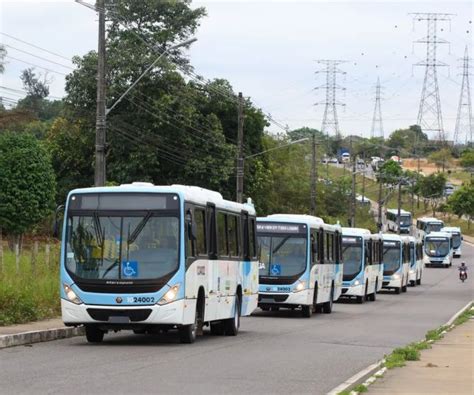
[311,221]
[391,237]
[395,211]
[189,193]
[355,232]
[451,229]
[410,239]
[438,234]
[429,219]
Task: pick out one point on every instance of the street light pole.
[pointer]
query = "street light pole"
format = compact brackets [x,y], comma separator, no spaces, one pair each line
[100,123]
[240,150]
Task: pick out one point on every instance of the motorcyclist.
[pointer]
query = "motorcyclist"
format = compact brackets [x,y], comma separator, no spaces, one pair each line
[462,268]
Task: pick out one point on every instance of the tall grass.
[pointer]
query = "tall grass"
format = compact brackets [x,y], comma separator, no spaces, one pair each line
[29,291]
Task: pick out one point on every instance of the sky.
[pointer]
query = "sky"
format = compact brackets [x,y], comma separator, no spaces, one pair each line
[268,50]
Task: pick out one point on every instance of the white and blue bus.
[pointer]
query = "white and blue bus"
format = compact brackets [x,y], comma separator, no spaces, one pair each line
[416,260]
[300,263]
[457,239]
[396,262]
[438,249]
[426,225]
[150,258]
[362,259]
[391,216]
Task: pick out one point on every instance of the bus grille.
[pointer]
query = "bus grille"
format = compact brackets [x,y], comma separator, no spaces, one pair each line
[133,315]
[268,298]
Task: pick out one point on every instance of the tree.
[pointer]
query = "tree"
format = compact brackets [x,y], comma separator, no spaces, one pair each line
[467,159]
[406,141]
[432,189]
[3,53]
[27,183]
[442,158]
[461,202]
[390,172]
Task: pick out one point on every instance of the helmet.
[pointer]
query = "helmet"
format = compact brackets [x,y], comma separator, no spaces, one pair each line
[463,263]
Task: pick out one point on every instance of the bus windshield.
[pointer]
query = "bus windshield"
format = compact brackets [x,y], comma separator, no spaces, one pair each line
[282,255]
[434,227]
[122,247]
[391,256]
[351,256]
[456,240]
[437,247]
[405,219]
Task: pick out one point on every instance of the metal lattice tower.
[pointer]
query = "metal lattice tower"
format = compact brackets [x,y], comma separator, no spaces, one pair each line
[377,124]
[330,123]
[464,117]
[429,114]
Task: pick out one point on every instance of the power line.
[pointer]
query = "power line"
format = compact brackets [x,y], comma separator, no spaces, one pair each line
[39,57]
[35,46]
[35,65]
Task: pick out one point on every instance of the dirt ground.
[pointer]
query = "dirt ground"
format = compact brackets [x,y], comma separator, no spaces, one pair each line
[428,168]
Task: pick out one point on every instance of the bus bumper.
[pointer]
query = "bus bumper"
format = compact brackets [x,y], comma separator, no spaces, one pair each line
[353,290]
[433,261]
[292,299]
[412,274]
[390,283]
[180,312]
[457,253]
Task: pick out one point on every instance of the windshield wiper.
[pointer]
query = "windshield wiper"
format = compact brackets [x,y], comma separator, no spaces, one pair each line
[280,244]
[139,228]
[110,267]
[98,231]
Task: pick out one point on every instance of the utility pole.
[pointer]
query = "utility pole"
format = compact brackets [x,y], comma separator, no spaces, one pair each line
[314,175]
[240,149]
[353,197]
[464,124]
[380,224]
[429,113]
[399,205]
[100,125]
[363,184]
[330,121]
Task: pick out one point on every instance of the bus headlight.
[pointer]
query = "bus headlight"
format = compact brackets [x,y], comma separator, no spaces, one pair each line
[71,295]
[300,286]
[356,283]
[412,271]
[170,295]
[396,276]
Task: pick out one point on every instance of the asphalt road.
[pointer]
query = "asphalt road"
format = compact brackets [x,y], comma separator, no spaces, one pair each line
[274,352]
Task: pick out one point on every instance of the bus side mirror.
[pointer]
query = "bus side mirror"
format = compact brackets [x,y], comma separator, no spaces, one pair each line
[56,222]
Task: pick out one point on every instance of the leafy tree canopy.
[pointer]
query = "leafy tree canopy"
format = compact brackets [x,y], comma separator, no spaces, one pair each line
[405,141]
[462,201]
[390,172]
[27,183]
[467,159]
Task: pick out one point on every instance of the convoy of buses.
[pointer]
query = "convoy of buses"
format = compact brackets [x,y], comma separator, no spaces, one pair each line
[156,258]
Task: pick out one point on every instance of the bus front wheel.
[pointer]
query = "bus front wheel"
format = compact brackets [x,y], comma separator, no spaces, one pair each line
[94,334]
[232,325]
[307,310]
[327,307]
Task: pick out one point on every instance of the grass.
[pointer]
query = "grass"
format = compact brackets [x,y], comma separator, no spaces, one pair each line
[467,315]
[360,388]
[32,292]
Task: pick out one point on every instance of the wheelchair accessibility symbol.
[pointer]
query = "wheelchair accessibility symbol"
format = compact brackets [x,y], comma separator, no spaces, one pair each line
[130,269]
[275,270]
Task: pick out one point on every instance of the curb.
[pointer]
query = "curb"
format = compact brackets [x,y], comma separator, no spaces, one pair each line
[19,339]
[367,375]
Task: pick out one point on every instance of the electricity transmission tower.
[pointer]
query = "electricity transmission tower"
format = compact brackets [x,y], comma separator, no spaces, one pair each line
[464,117]
[377,124]
[429,113]
[330,124]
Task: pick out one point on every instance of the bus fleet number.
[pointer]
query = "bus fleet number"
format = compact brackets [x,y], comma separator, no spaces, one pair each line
[141,299]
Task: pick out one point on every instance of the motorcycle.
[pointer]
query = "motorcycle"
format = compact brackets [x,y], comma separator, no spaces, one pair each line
[462,275]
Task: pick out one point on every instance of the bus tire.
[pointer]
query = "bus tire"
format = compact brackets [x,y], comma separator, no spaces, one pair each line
[398,290]
[327,307]
[307,310]
[217,328]
[94,334]
[232,325]
[418,282]
[404,287]
[188,333]
[373,296]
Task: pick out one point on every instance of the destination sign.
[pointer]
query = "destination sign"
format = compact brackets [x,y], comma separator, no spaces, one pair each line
[281,227]
[350,240]
[391,243]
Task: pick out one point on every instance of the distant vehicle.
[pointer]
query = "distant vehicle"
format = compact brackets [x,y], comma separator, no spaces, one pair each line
[449,189]
[376,162]
[325,160]
[396,262]
[415,251]
[343,155]
[425,225]
[333,160]
[363,269]
[300,263]
[438,249]
[391,216]
[396,158]
[457,239]
[361,162]
[144,258]
[363,200]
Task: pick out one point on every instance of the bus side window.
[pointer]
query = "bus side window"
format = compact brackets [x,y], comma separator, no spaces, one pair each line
[321,248]
[222,234]
[200,221]
[211,231]
[190,249]
[314,247]
[253,238]
[232,235]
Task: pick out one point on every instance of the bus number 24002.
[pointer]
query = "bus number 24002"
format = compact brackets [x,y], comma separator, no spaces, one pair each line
[141,299]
